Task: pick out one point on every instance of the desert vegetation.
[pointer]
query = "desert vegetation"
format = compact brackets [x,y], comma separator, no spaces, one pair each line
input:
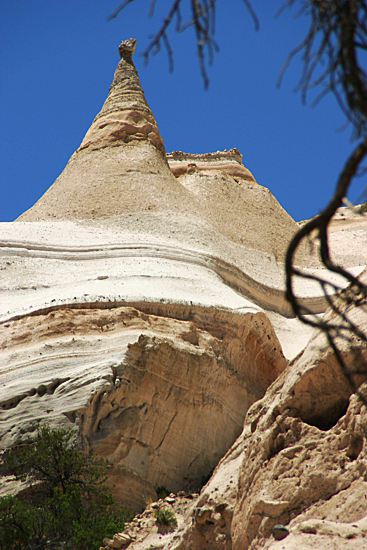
[67,503]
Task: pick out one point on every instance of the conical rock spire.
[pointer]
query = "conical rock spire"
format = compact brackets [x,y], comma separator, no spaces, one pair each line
[125,116]
[121,171]
[120,167]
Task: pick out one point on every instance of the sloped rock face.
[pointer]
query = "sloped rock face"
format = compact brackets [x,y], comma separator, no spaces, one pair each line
[162,399]
[233,202]
[300,462]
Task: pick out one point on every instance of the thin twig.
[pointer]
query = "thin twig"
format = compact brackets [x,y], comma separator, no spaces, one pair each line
[202,18]
[118,9]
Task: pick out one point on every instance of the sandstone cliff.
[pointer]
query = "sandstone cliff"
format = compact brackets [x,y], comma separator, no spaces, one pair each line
[300,461]
[142,300]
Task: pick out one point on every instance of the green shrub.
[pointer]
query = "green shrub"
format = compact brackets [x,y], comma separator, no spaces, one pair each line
[67,503]
[19,524]
[163,516]
[162,491]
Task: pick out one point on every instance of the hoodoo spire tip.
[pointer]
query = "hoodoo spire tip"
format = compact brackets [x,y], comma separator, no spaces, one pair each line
[127,46]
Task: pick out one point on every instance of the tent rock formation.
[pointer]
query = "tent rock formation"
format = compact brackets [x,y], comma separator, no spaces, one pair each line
[142,300]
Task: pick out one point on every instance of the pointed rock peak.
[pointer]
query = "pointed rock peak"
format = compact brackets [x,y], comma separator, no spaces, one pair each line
[121,166]
[125,117]
[127,49]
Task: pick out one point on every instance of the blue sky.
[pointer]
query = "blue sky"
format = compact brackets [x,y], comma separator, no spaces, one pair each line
[57,63]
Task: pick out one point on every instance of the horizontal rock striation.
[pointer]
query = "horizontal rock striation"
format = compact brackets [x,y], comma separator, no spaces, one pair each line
[229,162]
[142,300]
[268,295]
[144,389]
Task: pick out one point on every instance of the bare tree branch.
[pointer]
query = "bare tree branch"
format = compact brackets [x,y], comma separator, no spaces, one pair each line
[355,294]
[118,9]
[336,40]
[253,14]
[202,18]
[331,55]
[320,223]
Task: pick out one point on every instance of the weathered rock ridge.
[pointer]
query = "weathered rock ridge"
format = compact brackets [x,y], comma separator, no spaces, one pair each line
[142,300]
[229,162]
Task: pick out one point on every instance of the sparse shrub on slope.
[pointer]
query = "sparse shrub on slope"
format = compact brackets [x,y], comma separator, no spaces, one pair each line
[162,491]
[163,516]
[67,503]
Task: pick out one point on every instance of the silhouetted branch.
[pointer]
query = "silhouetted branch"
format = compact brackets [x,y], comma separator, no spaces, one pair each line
[355,294]
[334,45]
[320,223]
[118,9]
[202,18]
[155,44]
[331,54]
[253,14]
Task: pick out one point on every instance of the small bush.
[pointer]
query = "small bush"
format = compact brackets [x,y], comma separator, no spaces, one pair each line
[67,504]
[205,478]
[163,516]
[162,491]
[19,524]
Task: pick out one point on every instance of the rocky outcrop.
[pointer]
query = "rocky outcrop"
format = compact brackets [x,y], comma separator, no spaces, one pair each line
[228,162]
[142,300]
[300,462]
[161,398]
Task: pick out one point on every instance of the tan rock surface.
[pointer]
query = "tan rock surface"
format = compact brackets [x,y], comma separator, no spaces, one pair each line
[301,461]
[143,301]
[162,399]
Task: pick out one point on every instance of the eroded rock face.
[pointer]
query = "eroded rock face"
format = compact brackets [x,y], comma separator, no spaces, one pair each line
[300,462]
[162,399]
[139,299]
[313,440]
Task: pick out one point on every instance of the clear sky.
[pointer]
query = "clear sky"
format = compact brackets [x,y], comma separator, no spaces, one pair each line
[57,63]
